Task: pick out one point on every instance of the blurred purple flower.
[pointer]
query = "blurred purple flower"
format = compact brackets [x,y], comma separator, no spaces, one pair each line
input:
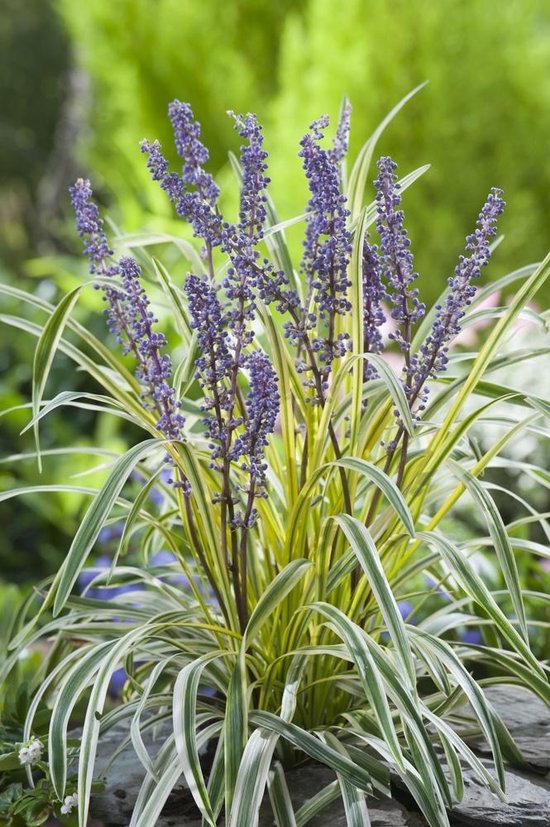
[405,609]
[470,635]
[166,558]
[88,575]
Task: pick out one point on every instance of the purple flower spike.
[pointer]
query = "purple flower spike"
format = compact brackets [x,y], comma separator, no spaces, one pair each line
[215,364]
[327,246]
[341,140]
[263,408]
[90,227]
[129,314]
[195,193]
[157,165]
[373,294]
[155,368]
[432,358]
[197,205]
[252,213]
[396,257]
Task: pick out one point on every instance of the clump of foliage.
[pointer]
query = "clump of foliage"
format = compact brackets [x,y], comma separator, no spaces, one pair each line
[308,493]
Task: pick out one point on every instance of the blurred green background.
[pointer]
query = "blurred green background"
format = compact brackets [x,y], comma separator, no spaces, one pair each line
[82,83]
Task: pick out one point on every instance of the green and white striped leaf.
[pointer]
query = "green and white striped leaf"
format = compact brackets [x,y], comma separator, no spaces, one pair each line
[498,533]
[45,352]
[478,591]
[368,558]
[275,593]
[312,746]
[279,797]
[185,731]
[93,522]
[355,804]
[369,675]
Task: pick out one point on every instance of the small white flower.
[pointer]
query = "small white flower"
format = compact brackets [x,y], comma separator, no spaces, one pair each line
[30,752]
[69,804]
[24,756]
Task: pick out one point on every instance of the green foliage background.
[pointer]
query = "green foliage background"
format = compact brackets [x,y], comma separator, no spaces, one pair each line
[483,119]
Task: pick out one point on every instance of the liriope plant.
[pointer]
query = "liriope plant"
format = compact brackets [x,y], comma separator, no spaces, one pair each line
[307,485]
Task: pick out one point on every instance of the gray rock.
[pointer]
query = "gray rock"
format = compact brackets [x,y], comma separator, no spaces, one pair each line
[527,803]
[527,718]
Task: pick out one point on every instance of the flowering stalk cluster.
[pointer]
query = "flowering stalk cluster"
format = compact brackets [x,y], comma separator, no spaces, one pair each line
[394,262]
[238,423]
[237,430]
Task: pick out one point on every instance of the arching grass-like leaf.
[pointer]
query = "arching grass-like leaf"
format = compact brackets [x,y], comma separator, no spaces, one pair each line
[93,522]
[368,558]
[502,545]
[368,673]
[275,593]
[360,171]
[185,711]
[45,352]
[478,591]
